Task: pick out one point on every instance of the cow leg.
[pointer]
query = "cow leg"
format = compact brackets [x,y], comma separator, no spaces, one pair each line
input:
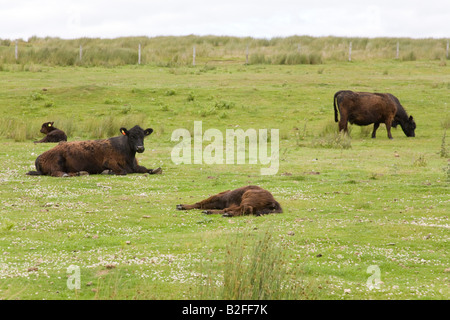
[234,211]
[188,206]
[141,169]
[205,204]
[228,212]
[213,211]
[59,174]
[213,202]
[388,128]
[114,167]
[375,127]
[42,140]
[343,124]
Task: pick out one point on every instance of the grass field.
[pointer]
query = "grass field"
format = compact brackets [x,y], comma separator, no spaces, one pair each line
[349,203]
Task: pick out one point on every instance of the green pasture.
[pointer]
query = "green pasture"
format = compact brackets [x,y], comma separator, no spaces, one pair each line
[349,202]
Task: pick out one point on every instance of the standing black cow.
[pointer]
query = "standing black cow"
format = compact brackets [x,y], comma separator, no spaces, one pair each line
[115,154]
[364,108]
[52,134]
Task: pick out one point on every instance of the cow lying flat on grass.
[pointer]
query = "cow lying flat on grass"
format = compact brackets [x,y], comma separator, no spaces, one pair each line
[363,108]
[52,134]
[117,155]
[243,201]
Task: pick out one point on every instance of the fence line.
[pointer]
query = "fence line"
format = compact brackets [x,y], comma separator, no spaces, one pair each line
[247,51]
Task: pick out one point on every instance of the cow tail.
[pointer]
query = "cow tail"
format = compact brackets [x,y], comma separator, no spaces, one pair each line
[335,109]
[34,173]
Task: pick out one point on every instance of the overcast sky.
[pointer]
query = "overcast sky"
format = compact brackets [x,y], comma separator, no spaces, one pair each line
[260,18]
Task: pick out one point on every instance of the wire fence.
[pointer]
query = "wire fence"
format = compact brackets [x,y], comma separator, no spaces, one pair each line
[193,50]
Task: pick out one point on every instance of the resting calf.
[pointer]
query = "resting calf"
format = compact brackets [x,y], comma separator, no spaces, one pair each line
[243,201]
[52,134]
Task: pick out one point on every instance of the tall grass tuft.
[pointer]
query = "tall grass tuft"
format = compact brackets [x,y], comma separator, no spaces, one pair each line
[92,128]
[256,271]
[330,137]
[19,130]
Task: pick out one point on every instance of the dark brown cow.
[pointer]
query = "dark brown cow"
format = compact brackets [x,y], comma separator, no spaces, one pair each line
[116,155]
[243,201]
[364,108]
[52,134]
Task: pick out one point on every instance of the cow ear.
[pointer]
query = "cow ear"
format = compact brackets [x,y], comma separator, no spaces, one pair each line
[123,131]
[148,131]
[411,118]
[50,124]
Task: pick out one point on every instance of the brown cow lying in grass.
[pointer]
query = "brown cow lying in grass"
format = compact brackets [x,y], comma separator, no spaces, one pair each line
[52,134]
[243,201]
[115,155]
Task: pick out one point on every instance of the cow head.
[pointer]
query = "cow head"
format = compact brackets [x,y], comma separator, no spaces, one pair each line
[46,127]
[136,137]
[409,126]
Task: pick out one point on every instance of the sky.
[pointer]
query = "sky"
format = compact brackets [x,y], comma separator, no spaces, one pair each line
[22,19]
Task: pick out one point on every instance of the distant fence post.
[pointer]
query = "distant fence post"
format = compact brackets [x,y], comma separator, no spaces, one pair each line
[16,51]
[139,54]
[447,49]
[350,52]
[193,57]
[246,55]
[398,49]
[81,52]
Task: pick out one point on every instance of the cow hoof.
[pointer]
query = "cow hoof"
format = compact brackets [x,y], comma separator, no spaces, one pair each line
[156,171]
[226,215]
[65,175]
[180,207]
[83,173]
[207,212]
[107,171]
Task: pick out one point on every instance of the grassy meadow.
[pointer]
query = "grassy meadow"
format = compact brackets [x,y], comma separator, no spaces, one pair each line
[350,202]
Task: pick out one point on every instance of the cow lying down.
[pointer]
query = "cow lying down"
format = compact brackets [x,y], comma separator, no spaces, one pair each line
[243,201]
[52,134]
[115,155]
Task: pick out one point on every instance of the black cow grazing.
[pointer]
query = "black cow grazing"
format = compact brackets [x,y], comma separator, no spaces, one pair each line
[52,134]
[243,201]
[116,155]
[363,108]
